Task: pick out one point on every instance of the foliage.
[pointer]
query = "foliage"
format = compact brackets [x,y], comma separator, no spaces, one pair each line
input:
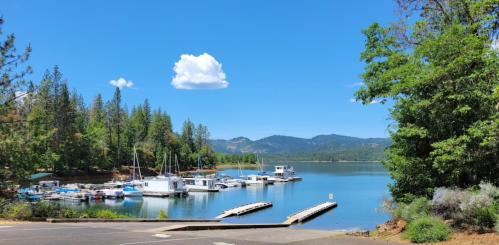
[16,210]
[427,229]
[162,214]
[44,209]
[441,73]
[420,207]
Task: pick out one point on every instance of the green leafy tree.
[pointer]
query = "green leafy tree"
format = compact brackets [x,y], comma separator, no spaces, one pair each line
[442,75]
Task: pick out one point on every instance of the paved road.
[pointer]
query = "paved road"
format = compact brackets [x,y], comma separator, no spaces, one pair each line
[153,233]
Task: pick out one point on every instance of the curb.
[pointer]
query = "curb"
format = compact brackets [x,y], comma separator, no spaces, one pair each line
[96,220]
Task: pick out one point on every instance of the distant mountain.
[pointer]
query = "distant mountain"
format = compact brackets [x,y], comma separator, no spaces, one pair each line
[286,147]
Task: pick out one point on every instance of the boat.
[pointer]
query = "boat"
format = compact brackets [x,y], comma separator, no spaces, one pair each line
[110,193]
[270,180]
[254,179]
[200,184]
[133,188]
[221,185]
[283,173]
[293,174]
[166,184]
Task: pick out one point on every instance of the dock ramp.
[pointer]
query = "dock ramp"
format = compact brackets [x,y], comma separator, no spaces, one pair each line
[243,209]
[309,212]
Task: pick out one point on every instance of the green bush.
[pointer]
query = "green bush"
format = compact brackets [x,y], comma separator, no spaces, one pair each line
[18,211]
[42,209]
[67,212]
[106,214]
[485,217]
[89,213]
[162,214]
[427,229]
[420,207]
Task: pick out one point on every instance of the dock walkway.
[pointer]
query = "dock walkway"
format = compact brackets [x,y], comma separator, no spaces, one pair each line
[250,207]
[309,212]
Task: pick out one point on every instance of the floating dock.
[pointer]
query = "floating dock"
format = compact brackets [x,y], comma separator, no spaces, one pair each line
[309,212]
[247,208]
[158,194]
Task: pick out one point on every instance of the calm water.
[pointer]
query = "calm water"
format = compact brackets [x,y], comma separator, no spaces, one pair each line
[356,187]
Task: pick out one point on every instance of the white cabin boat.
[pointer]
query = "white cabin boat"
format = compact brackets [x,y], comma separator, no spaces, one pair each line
[254,179]
[200,184]
[283,173]
[164,186]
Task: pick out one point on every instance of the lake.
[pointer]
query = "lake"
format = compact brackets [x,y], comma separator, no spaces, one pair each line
[356,187]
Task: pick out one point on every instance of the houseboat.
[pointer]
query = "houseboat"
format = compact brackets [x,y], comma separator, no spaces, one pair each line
[200,184]
[283,173]
[164,185]
[254,179]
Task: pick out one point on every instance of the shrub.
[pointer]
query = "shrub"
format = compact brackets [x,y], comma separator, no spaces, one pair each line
[446,203]
[420,207]
[106,214]
[67,212]
[427,229]
[19,211]
[478,206]
[162,214]
[89,213]
[42,209]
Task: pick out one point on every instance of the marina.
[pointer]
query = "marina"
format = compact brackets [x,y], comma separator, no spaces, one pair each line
[357,187]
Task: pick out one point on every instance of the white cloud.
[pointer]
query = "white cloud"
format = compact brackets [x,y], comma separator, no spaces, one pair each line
[352,100]
[357,84]
[198,72]
[121,83]
[495,44]
[374,102]
[20,97]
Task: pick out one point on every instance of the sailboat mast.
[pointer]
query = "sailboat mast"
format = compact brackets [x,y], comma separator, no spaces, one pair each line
[133,174]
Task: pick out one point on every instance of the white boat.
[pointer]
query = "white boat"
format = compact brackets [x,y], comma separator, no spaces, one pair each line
[164,185]
[254,179]
[270,180]
[200,184]
[283,173]
[222,185]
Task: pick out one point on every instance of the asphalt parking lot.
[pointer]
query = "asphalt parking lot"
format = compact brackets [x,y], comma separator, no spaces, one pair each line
[153,233]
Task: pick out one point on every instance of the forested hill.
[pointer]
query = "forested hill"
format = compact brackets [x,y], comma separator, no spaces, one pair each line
[320,148]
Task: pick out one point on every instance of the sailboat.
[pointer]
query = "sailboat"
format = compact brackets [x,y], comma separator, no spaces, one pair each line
[133,187]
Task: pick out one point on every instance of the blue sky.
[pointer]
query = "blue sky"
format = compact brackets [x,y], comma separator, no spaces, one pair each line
[287,67]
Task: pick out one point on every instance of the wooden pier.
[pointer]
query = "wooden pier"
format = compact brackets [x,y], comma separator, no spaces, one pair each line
[309,212]
[247,208]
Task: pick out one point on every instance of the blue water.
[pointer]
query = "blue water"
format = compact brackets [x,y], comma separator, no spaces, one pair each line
[356,187]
